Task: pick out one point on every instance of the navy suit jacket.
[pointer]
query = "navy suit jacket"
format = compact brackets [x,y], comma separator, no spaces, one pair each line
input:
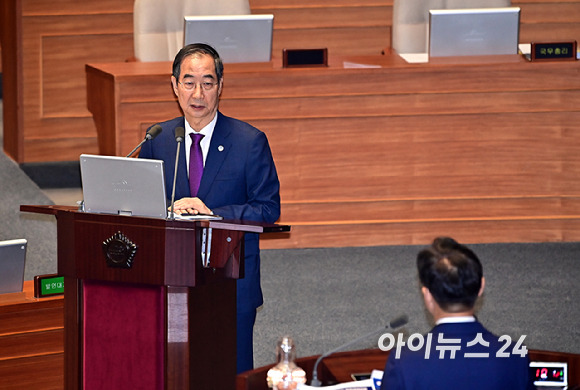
[239,182]
[412,371]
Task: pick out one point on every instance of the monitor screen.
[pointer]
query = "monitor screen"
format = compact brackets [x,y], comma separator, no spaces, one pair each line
[12,262]
[237,38]
[473,32]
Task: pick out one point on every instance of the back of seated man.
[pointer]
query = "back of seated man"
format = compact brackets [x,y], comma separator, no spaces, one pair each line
[458,353]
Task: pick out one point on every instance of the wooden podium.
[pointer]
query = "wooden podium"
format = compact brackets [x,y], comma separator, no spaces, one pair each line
[149,303]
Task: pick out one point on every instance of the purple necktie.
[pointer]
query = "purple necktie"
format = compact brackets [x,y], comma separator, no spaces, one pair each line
[195,163]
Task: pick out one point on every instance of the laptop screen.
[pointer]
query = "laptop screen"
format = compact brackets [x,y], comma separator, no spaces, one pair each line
[237,38]
[12,262]
[478,31]
[125,186]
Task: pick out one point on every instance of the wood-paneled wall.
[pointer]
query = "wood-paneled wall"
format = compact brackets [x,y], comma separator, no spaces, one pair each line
[482,152]
[345,27]
[31,341]
[44,52]
[486,153]
[46,44]
[549,20]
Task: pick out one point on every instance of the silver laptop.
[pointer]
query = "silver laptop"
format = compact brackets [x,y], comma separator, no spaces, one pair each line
[125,186]
[473,32]
[237,38]
[12,261]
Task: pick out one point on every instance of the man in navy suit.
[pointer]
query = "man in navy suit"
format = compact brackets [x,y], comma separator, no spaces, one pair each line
[239,179]
[458,353]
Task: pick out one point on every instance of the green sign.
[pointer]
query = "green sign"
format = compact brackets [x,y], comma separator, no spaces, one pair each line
[51,286]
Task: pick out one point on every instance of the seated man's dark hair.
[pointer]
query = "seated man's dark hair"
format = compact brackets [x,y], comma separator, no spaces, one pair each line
[452,273]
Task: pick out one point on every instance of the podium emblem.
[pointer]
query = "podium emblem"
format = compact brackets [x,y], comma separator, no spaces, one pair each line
[119,251]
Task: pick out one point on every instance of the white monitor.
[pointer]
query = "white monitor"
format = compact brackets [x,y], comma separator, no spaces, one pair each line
[474,32]
[237,38]
[124,186]
[12,262]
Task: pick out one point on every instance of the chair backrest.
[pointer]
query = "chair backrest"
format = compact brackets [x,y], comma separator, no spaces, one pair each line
[158,24]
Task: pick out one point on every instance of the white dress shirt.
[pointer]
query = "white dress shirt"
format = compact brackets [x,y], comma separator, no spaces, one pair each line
[207,131]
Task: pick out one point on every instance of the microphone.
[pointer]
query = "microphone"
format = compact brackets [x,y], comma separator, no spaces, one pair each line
[179,135]
[394,324]
[151,133]
[399,321]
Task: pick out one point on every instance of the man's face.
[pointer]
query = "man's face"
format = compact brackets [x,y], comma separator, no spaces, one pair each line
[200,102]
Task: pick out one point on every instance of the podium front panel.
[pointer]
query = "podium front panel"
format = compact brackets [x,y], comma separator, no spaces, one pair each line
[123,332]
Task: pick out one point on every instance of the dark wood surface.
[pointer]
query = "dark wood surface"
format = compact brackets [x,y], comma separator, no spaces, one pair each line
[167,262]
[339,367]
[31,341]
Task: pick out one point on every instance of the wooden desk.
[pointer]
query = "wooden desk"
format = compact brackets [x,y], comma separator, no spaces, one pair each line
[375,151]
[31,341]
[31,351]
[45,46]
[338,368]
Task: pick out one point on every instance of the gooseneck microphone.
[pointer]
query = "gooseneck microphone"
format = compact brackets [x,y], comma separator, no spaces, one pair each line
[394,324]
[179,135]
[151,133]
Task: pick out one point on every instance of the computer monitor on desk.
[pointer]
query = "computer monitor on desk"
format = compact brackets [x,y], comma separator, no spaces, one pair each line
[12,262]
[474,32]
[237,38]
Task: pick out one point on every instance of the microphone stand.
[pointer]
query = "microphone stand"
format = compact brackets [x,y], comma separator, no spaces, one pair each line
[147,137]
[396,323]
[151,133]
[315,381]
[179,134]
